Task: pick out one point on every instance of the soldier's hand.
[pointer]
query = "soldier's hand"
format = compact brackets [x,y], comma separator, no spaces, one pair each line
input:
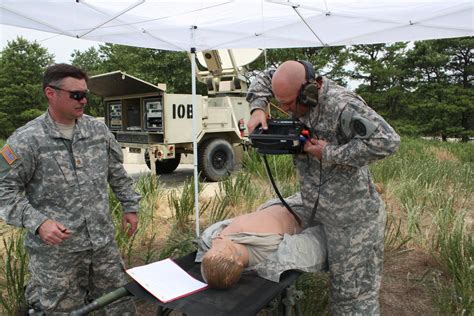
[130,223]
[315,147]
[258,117]
[52,232]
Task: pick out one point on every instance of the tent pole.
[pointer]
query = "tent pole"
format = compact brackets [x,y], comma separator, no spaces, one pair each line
[195,148]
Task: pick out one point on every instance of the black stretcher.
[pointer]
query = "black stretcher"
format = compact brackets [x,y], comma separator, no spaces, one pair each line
[248,297]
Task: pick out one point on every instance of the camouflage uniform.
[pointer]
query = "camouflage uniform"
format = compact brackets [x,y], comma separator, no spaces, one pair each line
[348,207]
[45,176]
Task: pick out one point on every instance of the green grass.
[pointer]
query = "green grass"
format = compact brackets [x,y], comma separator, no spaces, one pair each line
[281,166]
[2,142]
[454,248]
[13,268]
[432,183]
[182,205]
[315,289]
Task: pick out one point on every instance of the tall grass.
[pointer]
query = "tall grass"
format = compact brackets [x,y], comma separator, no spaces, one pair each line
[181,239]
[124,242]
[152,192]
[432,183]
[281,166]
[395,239]
[2,142]
[241,192]
[315,288]
[219,209]
[456,251]
[13,271]
[237,189]
[182,205]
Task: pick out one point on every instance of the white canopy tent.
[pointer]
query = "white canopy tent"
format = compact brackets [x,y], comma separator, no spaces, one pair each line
[193,25]
[213,24]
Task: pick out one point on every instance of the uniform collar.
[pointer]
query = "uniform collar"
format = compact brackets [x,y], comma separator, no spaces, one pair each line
[80,130]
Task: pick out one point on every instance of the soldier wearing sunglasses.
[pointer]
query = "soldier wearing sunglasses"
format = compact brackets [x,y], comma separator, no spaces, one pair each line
[54,177]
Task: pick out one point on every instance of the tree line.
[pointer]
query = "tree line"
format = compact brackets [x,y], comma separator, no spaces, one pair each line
[421,88]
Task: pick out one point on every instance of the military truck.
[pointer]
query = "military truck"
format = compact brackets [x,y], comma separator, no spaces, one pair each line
[145,119]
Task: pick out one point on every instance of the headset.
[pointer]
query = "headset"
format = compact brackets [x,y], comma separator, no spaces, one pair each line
[308,95]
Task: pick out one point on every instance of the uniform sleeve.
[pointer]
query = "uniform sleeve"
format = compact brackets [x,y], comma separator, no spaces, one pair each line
[260,90]
[370,137]
[15,209]
[119,181]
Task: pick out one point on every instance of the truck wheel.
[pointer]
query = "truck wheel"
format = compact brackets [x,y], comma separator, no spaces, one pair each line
[216,159]
[164,166]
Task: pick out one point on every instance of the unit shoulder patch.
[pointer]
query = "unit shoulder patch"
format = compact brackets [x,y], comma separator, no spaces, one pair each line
[8,154]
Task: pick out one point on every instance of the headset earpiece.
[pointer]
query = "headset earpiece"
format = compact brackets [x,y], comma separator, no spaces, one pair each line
[308,95]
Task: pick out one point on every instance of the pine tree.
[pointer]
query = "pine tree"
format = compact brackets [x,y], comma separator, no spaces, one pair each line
[22,64]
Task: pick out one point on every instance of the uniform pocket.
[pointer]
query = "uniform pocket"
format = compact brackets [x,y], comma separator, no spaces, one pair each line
[54,293]
[50,282]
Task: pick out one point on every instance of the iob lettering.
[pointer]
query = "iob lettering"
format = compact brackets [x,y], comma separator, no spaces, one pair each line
[180,111]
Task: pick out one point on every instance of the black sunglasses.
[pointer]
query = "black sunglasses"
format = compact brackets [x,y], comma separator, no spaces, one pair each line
[76,95]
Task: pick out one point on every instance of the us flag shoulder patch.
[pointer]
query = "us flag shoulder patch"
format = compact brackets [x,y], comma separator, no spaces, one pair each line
[8,154]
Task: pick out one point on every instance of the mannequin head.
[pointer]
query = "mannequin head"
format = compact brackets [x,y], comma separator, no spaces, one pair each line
[221,266]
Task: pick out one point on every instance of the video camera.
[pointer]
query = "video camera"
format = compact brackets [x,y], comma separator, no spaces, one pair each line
[285,136]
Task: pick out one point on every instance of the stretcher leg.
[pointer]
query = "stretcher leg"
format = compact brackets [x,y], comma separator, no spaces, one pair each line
[291,301]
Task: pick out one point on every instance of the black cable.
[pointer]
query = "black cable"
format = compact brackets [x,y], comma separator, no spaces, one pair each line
[315,207]
[316,203]
[270,176]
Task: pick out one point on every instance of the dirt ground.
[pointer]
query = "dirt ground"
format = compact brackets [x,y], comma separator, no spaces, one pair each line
[407,284]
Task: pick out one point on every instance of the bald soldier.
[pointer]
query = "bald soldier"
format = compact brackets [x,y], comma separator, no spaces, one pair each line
[337,191]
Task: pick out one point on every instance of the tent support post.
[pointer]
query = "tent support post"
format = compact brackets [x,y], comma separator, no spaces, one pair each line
[195,146]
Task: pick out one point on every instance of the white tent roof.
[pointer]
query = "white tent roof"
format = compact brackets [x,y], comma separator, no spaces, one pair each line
[212,24]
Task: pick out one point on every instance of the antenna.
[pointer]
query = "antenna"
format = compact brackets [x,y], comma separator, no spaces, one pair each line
[242,56]
[225,69]
[212,61]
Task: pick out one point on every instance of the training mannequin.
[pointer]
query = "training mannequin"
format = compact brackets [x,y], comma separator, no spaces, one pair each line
[246,242]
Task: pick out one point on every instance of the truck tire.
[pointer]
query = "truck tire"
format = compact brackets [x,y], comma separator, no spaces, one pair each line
[216,159]
[165,166]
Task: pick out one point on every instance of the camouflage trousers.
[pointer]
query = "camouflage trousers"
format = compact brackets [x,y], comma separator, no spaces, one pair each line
[355,259]
[63,282]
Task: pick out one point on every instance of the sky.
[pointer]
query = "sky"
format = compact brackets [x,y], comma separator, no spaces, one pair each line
[59,45]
